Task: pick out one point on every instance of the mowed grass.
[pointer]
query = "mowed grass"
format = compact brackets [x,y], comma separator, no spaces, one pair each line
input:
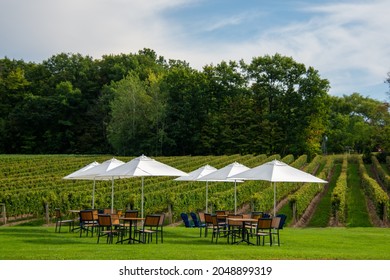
[180,243]
[323,211]
[357,215]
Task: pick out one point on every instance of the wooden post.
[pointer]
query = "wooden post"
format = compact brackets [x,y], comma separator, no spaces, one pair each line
[47,216]
[169,214]
[3,211]
[294,211]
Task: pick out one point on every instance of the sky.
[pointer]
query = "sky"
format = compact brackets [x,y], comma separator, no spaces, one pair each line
[347,41]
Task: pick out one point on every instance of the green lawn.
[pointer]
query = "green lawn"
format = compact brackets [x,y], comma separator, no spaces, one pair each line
[323,211]
[41,243]
[357,215]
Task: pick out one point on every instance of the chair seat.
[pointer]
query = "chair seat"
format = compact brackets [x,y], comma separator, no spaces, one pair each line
[147,231]
[108,229]
[60,221]
[151,226]
[263,229]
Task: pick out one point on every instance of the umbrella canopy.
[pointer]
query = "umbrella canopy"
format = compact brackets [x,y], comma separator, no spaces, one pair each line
[277,171]
[100,170]
[79,175]
[222,175]
[95,172]
[143,166]
[198,173]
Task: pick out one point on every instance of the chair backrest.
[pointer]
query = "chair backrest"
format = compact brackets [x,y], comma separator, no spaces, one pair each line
[186,221]
[283,218]
[115,219]
[131,214]
[264,223]
[152,221]
[86,216]
[161,220]
[108,211]
[95,213]
[215,221]
[58,213]
[207,218]
[221,212]
[104,220]
[195,219]
[201,217]
[275,222]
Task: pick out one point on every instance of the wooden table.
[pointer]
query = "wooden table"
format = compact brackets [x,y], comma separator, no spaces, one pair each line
[131,221]
[244,235]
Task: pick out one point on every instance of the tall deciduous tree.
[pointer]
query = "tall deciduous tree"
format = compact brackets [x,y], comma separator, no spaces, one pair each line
[136,115]
[292,104]
[186,109]
[358,123]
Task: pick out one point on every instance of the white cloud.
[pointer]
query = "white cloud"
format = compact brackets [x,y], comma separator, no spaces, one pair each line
[92,27]
[347,42]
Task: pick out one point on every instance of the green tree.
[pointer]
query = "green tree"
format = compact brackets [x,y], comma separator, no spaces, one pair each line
[228,128]
[135,115]
[291,104]
[186,109]
[358,123]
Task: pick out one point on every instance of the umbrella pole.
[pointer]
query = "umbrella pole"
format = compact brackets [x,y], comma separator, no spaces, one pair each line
[235,197]
[142,197]
[207,194]
[274,199]
[93,194]
[112,195]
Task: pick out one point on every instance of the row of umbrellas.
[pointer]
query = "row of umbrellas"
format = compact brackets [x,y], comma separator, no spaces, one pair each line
[112,169]
[143,166]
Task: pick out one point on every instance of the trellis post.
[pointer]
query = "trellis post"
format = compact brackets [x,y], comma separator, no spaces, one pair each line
[3,211]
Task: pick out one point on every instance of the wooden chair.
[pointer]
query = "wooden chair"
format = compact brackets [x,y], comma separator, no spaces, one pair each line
[108,211]
[150,227]
[222,215]
[234,227]
[115,221]
[277,224]
[251,227]
[217,228]
[107,228]
[88,222]
[263,229]
[61,221]
[208,222]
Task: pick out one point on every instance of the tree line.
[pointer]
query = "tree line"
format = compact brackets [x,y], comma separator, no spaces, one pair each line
[129,104]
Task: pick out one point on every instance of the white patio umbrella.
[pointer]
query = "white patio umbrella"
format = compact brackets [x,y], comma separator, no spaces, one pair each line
[277,171]
[79,175]
[143,166]
[222,175]
[197,174]
[97,173]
